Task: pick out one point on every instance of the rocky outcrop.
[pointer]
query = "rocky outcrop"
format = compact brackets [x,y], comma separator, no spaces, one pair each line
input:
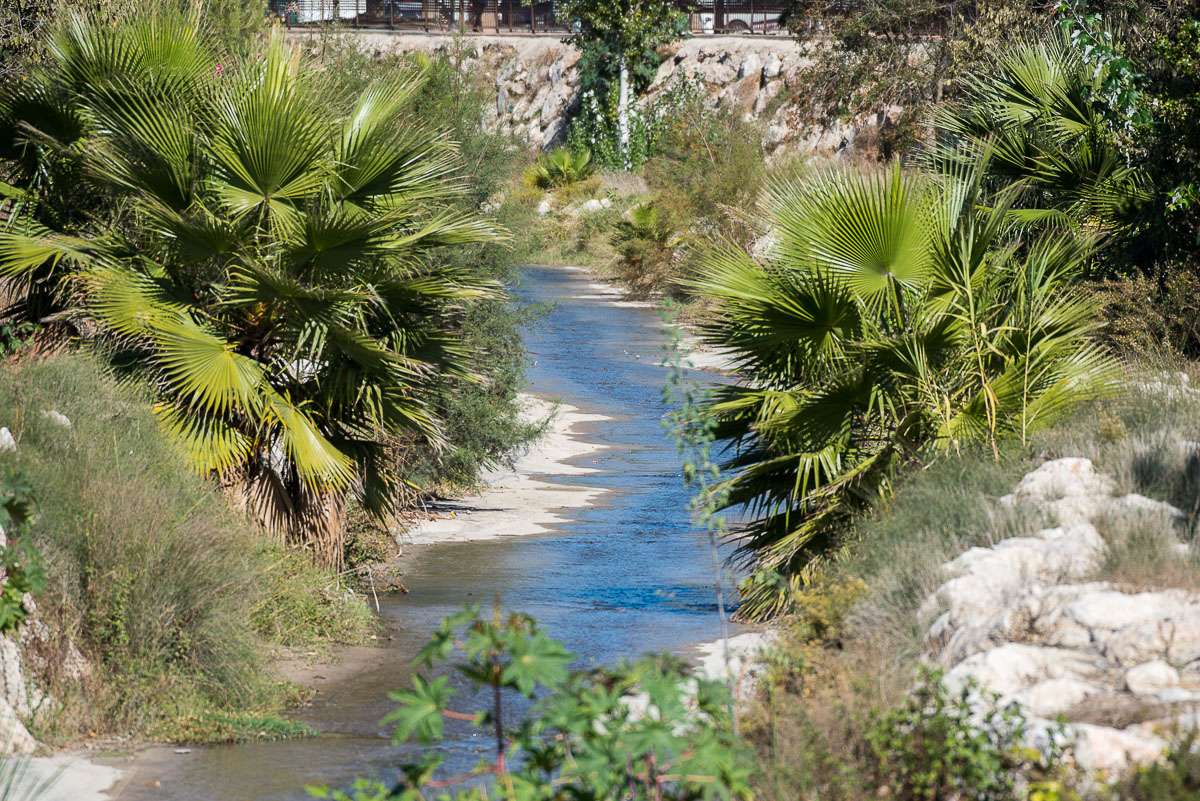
[33,650]
[534,84]
[765,79]
[1024,620]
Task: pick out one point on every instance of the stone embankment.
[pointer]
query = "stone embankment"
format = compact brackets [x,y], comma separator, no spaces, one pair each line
[1026,620]
[535,85]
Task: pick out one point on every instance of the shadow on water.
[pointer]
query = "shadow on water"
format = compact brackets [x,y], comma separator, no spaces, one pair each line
[626,576]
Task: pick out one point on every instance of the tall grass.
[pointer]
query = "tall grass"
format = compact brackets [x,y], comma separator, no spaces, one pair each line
[149,571]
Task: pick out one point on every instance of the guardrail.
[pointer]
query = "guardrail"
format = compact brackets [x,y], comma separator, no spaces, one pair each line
[509,16]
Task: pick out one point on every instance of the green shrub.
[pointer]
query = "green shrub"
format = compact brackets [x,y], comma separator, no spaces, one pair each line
[646,242]
[1175,778]
[563,167]
[936,747]
[708,168]
[643,731]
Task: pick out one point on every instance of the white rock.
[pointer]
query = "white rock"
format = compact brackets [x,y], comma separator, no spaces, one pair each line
[1113,610]
[751,65]
[715,74]
[1060,478]
[1113,751]
[1177,695]
[1052,697]
[1150,678]
[14,737]
[1175,639]
[56,417]
[1012,667]
[766,95]
[591,206]
[772,67]
[555,102]
[606,203]
[543,208]
[776,133]
[1140,503]
[7,442]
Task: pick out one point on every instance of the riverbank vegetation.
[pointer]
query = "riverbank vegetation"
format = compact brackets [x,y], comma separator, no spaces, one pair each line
[268,286]
[1034,225]
[281,261]
[173,601]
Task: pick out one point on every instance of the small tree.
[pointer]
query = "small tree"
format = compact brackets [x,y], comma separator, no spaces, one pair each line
[640,731]
[630,29]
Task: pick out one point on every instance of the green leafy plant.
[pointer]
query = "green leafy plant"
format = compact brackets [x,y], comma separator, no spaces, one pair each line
[1174,778]
[1034,110]
[646,241]
[279,290]
[894,317]
[20,562]
[618,38]
[937,746]
[643,730]
[563,167]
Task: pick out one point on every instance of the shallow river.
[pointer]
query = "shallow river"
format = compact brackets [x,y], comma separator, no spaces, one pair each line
[626,576]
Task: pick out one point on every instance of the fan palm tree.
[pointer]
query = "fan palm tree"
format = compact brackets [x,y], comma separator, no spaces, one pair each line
[270,267]
[895,316]
[1032,108]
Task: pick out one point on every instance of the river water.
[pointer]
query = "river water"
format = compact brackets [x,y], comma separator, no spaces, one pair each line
[627,575]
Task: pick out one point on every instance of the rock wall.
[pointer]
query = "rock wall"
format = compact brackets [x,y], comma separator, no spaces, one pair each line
[1026,621]
[535,82]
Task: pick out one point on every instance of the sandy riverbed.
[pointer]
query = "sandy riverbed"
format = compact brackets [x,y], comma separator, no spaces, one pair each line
[515,502]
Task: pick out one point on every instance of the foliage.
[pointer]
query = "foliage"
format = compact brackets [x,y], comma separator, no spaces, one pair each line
[1175,778]
[595,127]
[707,164]
[20,562]
[643,730]
[936,746]
[210,728]
[893,318]
[561,168]
[480,413]
[618,39]
[910,53]
[278,291]
[147,569]
[1118,95]
[646,241]
[1034,109]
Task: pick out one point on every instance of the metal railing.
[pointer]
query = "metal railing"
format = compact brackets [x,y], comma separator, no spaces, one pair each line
[510,16]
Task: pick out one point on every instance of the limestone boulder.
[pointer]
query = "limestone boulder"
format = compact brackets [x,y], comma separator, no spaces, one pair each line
[1151,678]
[745,93]
[1010,668]
[751,65]
[1110,752]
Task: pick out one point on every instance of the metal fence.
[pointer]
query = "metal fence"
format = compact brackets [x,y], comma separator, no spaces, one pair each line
[510,16]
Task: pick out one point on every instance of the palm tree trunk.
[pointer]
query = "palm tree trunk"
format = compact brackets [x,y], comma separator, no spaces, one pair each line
[319,526]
